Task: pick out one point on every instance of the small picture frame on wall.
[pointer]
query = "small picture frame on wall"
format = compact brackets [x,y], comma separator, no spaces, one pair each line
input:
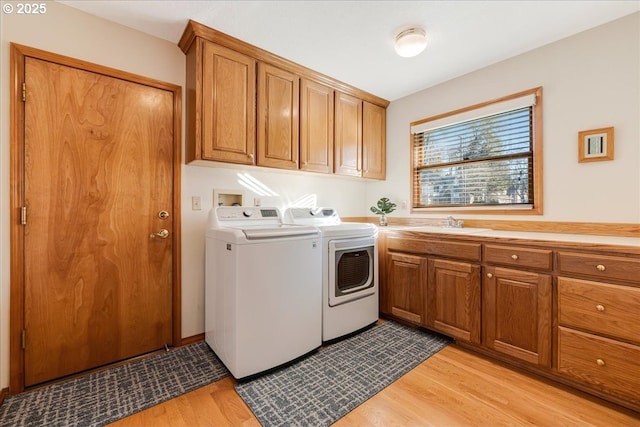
[595,145]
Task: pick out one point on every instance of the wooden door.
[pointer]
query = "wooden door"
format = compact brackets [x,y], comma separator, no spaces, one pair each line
[406,276]
[348,135]
[98,170]
[453,299]
[316,127]
[227,105]
[278,122]
[516,314]
[374,137]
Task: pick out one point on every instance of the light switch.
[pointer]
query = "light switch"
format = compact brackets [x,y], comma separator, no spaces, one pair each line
[196,203]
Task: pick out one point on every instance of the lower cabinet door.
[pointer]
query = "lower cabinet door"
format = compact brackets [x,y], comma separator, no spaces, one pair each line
[517,314]
[453,299]
[407,275]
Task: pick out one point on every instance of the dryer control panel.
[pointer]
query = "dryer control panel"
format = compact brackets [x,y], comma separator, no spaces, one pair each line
[317,216]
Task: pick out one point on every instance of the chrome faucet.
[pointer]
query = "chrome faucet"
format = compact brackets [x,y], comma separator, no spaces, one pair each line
[454,223]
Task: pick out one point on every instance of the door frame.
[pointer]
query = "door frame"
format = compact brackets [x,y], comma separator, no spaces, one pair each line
[17,120]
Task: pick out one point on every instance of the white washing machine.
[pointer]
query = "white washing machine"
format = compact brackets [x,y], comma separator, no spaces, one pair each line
[263,289]
[349,270]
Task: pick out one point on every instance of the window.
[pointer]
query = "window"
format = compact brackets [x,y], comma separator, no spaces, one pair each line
[484,158]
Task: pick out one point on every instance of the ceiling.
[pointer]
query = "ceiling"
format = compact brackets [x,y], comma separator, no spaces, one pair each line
[352,41]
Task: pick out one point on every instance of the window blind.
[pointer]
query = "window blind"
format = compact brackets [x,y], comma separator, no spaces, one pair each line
[486,160]
[528,100]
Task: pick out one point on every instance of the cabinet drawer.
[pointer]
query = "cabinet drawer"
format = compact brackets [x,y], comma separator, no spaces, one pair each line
[606,365]
[460,250]
[521,257]
[612,310]
[602,266]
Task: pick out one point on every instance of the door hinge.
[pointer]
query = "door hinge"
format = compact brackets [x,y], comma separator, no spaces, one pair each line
[23,215]
[24,339]
[24,91]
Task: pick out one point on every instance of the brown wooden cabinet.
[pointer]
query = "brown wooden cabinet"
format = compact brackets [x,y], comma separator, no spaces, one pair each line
[316,127]
[406,277]
[360,138]
[599,324]
[221,96]
[516,314]
[569,311]
[304,120]
[348,135]
[453,299]
[602,364]
[278,121]
[374,146]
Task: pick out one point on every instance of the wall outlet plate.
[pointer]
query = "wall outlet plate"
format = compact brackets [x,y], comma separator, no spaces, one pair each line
[196,203]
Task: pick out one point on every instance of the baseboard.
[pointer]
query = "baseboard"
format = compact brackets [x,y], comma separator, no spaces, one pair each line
[192,339]
[3,394]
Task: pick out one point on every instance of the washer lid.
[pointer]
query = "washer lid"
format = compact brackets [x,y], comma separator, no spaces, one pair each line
[253,233]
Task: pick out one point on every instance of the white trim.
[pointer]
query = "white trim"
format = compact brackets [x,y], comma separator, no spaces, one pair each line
[488,110]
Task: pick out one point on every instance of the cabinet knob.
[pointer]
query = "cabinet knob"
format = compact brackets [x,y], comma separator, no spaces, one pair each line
[489,275]
[600,362]
[601,267]
[600,307]
[514,257]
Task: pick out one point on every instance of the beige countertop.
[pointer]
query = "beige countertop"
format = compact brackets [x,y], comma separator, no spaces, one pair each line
[525,235]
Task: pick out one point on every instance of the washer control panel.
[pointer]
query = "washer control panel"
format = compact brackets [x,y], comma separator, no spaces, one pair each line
[238,213]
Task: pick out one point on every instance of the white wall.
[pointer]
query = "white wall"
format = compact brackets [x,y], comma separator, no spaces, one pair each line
[69,32]
[590,80]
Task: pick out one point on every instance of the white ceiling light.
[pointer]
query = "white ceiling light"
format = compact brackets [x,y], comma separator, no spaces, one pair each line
[411,42]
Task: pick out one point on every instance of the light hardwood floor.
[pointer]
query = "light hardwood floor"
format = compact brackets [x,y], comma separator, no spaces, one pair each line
[452,388]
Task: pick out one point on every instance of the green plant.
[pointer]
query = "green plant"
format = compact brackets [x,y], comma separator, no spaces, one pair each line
[385,206]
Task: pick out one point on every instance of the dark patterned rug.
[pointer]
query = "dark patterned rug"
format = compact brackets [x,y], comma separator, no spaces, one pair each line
[320,389]
[112,394]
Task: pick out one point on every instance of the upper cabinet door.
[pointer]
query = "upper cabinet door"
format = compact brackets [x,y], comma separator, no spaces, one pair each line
[278,121]
[348,135]
[316,127]
[374,144]
[227,105]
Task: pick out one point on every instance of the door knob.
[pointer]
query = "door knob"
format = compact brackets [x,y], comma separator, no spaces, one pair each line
[163,234]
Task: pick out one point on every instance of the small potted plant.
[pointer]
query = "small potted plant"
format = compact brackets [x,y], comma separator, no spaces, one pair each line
[385,206]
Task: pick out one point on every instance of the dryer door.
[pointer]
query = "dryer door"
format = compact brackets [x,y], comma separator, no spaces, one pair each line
[352,269]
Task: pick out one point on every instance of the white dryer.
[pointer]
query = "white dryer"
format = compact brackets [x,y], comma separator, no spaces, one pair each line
[263,289]
[349,270]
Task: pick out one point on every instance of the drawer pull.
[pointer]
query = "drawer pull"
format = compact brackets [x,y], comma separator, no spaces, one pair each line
[600,307]
[514,257]
[600,362]
[489,275]
[601,267]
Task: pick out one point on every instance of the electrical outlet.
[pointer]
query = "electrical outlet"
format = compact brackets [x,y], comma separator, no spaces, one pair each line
[196,203]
